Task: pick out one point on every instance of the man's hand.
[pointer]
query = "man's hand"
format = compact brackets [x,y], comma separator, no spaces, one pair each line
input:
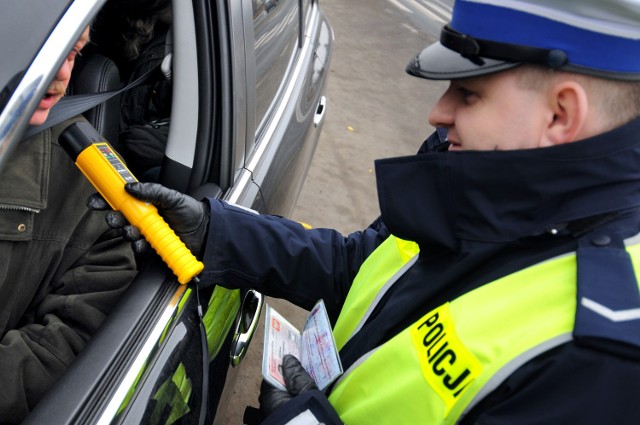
[187,217]
[297,381]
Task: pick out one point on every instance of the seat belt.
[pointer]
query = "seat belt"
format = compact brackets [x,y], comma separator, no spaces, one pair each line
[70,106]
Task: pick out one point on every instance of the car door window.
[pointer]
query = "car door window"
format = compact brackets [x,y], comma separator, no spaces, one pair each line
[27,23]
[276,29]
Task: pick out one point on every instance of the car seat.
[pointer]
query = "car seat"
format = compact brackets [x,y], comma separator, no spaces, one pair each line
[94,73]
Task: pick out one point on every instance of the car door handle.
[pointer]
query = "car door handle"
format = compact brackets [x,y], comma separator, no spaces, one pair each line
[320,110]
[249,317]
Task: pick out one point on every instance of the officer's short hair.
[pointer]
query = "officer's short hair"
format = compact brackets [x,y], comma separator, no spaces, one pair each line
[617,100]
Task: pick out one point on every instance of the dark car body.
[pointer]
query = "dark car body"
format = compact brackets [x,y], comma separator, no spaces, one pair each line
[247,110]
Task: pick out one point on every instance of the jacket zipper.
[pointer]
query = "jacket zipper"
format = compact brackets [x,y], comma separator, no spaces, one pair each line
[19,208]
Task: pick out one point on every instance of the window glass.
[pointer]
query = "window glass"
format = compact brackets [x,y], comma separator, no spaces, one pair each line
[276,28]
[24,25]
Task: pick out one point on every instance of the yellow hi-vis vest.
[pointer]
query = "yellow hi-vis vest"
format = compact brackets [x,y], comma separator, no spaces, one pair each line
[441,366]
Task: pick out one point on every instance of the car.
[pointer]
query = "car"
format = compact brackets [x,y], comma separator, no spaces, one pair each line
[248,84]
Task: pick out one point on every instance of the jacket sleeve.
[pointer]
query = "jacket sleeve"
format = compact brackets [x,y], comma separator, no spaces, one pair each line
[62,318]
[282,259]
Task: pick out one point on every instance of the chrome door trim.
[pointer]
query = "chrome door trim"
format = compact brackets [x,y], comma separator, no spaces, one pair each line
[141,361]
[240,19]
[241,340]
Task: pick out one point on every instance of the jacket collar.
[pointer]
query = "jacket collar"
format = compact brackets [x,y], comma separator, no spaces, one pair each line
[25,181]
[444,198]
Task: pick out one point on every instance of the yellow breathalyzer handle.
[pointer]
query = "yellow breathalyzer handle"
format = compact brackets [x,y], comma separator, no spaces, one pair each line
[101,164]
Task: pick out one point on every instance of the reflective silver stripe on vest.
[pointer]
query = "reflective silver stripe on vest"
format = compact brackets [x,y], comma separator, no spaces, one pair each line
[500,376]
[381,293]
[525,357]
[634,240]
[355,364]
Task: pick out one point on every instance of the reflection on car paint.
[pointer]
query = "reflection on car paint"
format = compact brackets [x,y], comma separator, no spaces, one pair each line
[133,377]
[172,398]
[221,313]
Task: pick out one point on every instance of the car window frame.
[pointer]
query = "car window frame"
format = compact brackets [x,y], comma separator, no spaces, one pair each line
[15,116]
[261,122]
[156,286]
[88,392]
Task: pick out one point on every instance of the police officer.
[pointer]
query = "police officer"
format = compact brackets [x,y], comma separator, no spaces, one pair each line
[499,284]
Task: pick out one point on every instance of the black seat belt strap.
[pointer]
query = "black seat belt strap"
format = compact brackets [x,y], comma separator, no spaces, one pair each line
[70,106]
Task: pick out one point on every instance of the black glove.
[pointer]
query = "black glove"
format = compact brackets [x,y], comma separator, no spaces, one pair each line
[297,381]
[188,217]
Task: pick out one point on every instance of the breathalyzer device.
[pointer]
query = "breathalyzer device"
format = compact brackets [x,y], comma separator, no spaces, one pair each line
[106,171]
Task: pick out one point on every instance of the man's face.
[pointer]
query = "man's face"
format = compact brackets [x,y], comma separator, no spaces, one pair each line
[58,86]
[492,112]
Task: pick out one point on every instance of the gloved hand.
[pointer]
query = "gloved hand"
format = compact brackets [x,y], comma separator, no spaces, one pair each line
[188,217]
[297,381]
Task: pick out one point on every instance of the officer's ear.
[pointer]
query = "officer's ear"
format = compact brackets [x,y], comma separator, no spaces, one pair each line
[569,112]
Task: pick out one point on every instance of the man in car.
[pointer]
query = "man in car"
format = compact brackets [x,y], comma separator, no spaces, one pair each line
[499,285]
[61,270]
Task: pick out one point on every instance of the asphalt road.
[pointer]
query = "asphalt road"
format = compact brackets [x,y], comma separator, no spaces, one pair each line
[374,110]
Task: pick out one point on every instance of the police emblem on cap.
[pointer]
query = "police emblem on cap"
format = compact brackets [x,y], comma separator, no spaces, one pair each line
[595,37]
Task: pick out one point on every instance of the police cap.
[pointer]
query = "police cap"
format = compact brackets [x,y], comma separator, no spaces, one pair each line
[594,37]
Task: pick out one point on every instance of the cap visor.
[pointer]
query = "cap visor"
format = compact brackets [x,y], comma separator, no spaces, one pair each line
[437,62]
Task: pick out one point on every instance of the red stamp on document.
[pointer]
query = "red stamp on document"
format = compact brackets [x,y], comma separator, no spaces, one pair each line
[275,324]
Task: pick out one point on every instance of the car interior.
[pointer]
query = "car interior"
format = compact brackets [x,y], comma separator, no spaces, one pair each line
[143,141]
[103,66]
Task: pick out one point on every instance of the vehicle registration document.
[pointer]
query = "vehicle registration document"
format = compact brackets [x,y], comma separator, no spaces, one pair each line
[315,347]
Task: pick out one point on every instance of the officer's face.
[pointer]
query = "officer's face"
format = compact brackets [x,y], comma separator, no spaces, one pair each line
[492,112]
[58,86]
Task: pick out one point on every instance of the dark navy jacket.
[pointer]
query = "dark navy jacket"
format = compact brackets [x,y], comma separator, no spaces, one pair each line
[477,216]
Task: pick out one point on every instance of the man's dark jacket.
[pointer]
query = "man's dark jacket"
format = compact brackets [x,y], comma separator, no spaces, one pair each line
[477,216]
[61,270]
